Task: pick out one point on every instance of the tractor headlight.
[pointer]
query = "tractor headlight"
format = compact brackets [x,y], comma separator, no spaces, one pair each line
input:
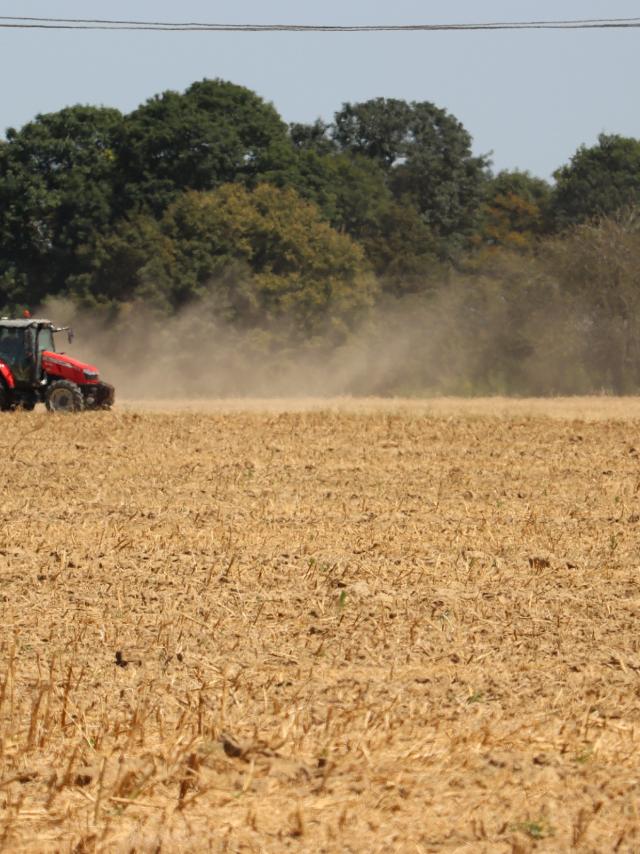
[90,375]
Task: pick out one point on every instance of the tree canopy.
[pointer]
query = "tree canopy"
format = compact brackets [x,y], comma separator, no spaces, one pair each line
[599,180]
[381,218]
[257,257]
[57,184]
[515,212]
[427,156]
[213,133]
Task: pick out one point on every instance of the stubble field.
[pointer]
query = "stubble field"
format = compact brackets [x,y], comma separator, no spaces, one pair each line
[322,627]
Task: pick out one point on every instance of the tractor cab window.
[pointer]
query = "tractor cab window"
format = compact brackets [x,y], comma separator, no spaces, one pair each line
[45,341]
[16,349]
[11,345]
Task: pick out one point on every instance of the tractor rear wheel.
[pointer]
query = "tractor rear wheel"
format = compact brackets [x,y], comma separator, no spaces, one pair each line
[5,397]
[64,396]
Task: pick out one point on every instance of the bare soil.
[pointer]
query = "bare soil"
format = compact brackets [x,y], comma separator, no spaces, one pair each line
[321,626]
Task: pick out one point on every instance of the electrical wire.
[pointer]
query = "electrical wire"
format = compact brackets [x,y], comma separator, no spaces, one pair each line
[21,22]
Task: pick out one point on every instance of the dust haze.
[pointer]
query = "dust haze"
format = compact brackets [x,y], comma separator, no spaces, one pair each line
[447,345]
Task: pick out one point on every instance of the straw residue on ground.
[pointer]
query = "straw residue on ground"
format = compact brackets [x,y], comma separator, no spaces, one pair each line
[319,630]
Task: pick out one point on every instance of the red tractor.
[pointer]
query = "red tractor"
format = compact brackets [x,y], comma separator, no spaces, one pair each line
[31,371]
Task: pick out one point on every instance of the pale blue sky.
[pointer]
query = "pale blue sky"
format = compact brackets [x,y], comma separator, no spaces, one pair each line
[529,97]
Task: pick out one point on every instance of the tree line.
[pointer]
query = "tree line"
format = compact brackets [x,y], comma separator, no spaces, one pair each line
[304,234]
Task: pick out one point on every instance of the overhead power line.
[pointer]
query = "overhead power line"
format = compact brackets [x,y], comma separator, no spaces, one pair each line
[28,23]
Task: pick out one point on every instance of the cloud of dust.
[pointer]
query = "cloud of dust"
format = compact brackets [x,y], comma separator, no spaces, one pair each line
[562,321]
[463,340]
[193,355]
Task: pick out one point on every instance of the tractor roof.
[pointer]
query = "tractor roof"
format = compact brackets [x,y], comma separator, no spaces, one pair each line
[23,324]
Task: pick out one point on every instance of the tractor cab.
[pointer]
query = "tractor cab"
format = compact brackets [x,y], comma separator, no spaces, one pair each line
[32,371]
[21,346]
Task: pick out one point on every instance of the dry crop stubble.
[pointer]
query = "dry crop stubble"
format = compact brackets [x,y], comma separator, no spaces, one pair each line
[329,629]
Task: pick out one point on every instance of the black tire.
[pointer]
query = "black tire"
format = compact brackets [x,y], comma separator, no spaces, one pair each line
[28,404]
[106,395]
[64,396]
[5,397]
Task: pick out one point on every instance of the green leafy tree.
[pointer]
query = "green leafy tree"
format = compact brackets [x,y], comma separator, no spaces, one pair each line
[287,263]
[515,213]
[56,194]
[598,181]
[213,133]
[261,258]
[426,154]
[520,183]
[352,192]
[379,129]
[135,262]
[403,251]
[314,137]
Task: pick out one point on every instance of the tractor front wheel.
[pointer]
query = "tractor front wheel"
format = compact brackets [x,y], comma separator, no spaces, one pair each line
[64,396]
